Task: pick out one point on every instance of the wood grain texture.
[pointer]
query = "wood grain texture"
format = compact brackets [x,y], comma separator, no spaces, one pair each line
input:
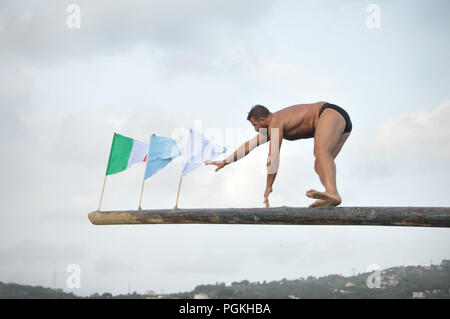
[373,216]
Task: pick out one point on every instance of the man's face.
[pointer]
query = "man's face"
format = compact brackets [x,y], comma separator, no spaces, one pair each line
[258,124]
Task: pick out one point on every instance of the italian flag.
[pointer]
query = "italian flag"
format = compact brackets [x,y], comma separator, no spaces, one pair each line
[125,152]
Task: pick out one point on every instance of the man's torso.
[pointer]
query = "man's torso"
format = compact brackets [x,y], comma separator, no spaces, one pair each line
[298,121]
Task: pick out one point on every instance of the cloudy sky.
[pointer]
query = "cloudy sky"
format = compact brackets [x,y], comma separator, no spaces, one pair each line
[143,67]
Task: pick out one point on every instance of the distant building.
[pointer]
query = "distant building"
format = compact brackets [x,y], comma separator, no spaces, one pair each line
[436,291]
[349,284]
[445,262]
[419,294]
[293,297]
[201,296]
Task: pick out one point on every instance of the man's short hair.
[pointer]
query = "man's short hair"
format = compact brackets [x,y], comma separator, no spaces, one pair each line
[257,112]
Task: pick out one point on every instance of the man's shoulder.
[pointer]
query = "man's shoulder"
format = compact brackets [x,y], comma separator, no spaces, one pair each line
[284,115]
[277,119]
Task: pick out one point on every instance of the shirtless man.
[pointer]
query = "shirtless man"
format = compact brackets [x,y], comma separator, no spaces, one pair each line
[330,126]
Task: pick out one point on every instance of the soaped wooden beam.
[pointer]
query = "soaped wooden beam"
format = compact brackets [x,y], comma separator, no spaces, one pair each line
[373,216]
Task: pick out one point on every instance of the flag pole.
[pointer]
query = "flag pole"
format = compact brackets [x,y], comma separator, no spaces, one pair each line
[104,181]
[143,180]
[142,191]
[101,196]
[179,184]
[178,193]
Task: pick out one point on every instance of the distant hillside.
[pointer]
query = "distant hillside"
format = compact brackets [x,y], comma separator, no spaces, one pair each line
[15,291]
[397,282]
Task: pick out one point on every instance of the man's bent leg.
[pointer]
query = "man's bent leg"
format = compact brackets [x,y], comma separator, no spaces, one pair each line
[334,153]
[327,175]
[328,141]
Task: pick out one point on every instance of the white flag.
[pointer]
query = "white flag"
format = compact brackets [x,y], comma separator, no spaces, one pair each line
[200,149]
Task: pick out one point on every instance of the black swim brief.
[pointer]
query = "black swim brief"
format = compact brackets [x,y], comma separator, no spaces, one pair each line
[348,123]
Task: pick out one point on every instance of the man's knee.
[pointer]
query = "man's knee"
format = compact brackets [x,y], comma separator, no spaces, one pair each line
[320,153]
[316,166]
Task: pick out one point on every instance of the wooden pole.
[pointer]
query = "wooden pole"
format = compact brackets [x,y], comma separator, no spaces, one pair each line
[178,193]
[101,196]
[361,216]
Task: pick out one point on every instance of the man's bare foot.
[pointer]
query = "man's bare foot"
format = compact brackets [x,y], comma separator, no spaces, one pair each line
[332,200]
[320,203]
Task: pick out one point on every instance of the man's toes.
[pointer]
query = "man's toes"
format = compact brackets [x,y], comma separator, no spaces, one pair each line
[312,194]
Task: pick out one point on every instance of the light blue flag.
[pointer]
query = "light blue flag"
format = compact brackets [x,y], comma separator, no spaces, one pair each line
[200,149]
[161,151]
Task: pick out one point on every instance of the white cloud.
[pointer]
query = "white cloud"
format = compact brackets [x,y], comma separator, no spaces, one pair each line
[420,136]
[402,163]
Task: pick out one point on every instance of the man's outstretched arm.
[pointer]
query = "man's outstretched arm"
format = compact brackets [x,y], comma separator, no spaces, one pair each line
[273,160]
[241,152]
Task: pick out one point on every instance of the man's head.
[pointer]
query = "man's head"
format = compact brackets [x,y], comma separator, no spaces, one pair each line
[259,116]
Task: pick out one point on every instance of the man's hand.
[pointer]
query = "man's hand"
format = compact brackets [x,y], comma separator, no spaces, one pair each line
[219,164]
[266,196]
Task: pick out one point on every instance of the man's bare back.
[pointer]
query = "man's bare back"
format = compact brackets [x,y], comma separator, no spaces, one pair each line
[330,126]
[298,121]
